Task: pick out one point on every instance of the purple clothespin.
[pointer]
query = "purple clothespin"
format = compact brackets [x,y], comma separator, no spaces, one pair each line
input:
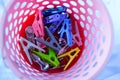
[52,18]
[54,26]
[76,36]
[66,31]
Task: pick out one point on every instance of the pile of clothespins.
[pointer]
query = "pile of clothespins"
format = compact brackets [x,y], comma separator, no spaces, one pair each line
[48,38]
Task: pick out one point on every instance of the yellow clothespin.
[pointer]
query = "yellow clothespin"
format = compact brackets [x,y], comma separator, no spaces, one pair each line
[71,54]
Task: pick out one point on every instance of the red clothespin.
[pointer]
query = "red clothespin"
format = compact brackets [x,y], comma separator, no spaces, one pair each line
[38,27]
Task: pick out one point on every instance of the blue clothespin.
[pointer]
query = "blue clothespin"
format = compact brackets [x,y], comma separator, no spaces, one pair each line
[53,42]
[54,10]
[51,18]
[54,26]
[66,31]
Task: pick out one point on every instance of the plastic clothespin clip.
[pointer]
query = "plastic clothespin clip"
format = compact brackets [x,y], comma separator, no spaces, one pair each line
[53,42]
[62,50]
[27,46]
[64,45]
[54,26]
[51,18]
[76,36]
[49,58]
[38,27]
[30,33]
[62,42]
[71,54]
[67,30]
[44,66]
[54,11]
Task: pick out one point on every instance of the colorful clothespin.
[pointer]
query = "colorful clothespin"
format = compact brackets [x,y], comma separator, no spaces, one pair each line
[30,33]
[71,54]
[62,42]
[44,66]
[76,36]
[49,58]
[38,27]
[66,31]
[54,26]
[54,10]
[51,18]
[64,45]
[62,50]
[27,46]
[52,43]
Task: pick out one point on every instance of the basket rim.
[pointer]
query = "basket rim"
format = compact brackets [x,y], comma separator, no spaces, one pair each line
[109,19]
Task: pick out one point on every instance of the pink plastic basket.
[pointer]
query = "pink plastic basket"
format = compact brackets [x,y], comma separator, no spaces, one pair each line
[92,17]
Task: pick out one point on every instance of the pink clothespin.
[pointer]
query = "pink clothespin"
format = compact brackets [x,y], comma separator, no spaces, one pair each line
[76,36]
[38,27]
[63,43]
[62,50]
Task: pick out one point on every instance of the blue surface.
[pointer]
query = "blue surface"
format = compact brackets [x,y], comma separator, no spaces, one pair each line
[111,70]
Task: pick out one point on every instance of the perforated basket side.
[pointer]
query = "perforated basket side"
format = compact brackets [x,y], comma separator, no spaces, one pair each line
[92,18]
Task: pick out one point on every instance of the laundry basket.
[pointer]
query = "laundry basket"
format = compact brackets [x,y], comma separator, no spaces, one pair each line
[94,23]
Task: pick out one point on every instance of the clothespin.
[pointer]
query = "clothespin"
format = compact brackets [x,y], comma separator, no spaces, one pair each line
[54,11]
[62,42]
[38,27]
[30,33]
[44,66]
[71,54]
[49,58]
[76,36]
[52,43]
[54,26]
[27,46]
[66,31]
[62,50]
[64,45]
[51,18]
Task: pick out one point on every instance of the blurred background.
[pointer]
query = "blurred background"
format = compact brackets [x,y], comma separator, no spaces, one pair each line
[110,72]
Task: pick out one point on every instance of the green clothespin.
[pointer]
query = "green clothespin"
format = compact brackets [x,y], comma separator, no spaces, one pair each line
[49,58]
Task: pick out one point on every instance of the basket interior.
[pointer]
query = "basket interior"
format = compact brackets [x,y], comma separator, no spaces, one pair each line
[94,30]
